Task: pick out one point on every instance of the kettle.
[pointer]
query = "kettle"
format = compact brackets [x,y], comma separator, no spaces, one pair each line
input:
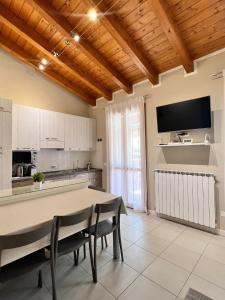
[19,170]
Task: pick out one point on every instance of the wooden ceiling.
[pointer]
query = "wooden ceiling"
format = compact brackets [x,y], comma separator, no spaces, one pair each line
[132,40]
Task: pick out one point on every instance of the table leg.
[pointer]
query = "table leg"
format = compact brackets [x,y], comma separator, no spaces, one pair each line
[115,242]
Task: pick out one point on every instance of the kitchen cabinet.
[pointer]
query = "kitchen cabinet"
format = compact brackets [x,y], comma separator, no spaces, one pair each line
[80,133]
[5,144]
[25,128]
[72,133]
[51,129]
[5,105]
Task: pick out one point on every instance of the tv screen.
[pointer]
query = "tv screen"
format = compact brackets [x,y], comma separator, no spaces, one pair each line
[186,115]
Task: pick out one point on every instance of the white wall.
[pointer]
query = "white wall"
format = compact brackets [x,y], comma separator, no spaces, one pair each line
[53,160]
[25,85]
[175,87]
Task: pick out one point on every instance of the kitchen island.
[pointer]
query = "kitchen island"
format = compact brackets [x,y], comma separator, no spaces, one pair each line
[23,215]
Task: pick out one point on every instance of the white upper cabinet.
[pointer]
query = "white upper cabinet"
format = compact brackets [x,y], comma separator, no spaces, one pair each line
[51,129]
[26,129]
[5,105]
[80,134]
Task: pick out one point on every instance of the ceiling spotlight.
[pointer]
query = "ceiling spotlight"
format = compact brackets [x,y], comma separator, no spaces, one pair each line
[76,37]
[55,53]
[92,14]
[41,67]
[44,61]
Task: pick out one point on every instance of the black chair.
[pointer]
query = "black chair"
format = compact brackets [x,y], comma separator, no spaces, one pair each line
[106,227]
[74,242]
[31,262]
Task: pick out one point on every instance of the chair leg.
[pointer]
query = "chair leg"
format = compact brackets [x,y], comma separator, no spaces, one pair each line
[76,257]
[95,260]
[102,242]
[106,244]
[120,244]
[40,279]
[92,263]
[84,251]
[54,294]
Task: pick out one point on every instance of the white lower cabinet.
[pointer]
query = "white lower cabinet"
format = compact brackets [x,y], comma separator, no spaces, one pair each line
[80,134]
[26,129]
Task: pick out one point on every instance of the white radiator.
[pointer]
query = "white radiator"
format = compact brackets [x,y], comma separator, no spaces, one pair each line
[187,196]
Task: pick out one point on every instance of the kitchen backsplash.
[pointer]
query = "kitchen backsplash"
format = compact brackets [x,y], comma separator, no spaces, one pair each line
[53,160]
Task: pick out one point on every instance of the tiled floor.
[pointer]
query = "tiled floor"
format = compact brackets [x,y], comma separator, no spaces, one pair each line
[162,261]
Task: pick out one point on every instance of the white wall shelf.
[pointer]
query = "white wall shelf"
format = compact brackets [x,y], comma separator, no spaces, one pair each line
[183,144]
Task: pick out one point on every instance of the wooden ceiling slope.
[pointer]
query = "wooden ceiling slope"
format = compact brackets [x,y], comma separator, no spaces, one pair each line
[131,41]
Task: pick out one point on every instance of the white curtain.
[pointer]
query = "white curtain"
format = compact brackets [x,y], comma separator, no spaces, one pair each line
[126,157]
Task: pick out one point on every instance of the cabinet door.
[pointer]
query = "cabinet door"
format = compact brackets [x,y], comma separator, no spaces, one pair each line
[5,169]
[69,132]
[51,129]
[25,128]
[92,135]
[5,130]
[84,142]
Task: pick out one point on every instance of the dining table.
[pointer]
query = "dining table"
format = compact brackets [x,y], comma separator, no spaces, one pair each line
[24,215]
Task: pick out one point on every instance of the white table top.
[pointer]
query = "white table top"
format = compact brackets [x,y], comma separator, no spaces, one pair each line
[22,215]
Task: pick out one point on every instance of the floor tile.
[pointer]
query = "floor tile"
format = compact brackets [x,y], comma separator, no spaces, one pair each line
[211,270]
[153,244]
[181,257]
[146,225]
[116,277]
[215,252]
[167,275]
[192,241]
[145,289]
[68,276]
[138,258]
[103,257]
[88,291]
[131,234]
[218,240]
[167,232]
[24,288]
[204,287]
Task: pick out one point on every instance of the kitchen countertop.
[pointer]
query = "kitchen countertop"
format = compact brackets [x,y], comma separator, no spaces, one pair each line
[59,173]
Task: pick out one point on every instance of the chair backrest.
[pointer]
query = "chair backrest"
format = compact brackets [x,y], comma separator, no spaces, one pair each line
[76,218]
[22,239]
[113,206]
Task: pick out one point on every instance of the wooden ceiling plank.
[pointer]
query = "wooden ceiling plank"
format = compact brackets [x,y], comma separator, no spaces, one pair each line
[64,27]
[18,52]
[119,33]
[170,28]
[19,26]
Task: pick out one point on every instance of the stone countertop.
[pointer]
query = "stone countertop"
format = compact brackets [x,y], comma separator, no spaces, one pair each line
[59,173]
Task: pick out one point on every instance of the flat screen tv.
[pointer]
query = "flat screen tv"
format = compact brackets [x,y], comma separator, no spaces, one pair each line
[185,115]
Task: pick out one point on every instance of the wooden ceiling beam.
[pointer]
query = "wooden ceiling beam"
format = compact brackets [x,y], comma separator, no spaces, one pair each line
[164,16]
[19,53]
[19,26]
[65,28]
[119,33]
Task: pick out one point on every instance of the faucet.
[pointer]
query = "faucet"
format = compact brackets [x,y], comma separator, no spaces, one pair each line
[78,164]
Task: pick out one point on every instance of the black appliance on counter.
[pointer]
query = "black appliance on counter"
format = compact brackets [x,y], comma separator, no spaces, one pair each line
[24,163]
